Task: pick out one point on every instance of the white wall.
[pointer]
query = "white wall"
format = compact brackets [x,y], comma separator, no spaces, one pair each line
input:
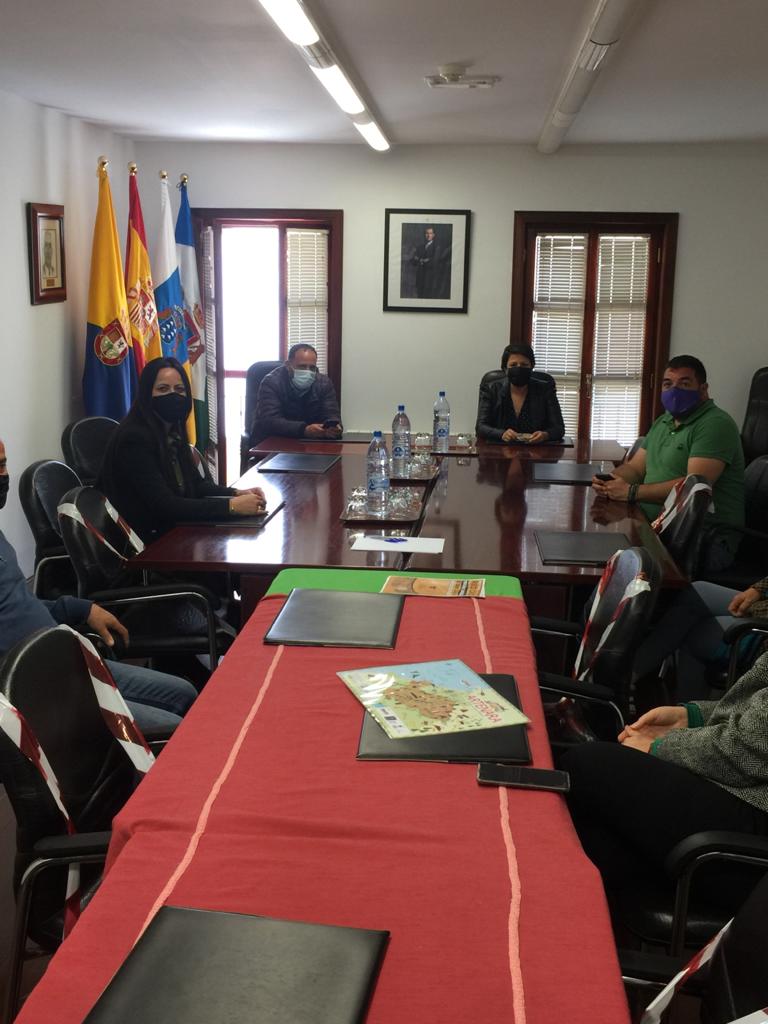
[722,260]
[47,158]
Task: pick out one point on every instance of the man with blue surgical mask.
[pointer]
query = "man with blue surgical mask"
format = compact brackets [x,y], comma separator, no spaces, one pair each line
[296,400]
[692,436]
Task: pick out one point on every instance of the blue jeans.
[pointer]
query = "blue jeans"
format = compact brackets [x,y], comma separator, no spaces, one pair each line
[157,700]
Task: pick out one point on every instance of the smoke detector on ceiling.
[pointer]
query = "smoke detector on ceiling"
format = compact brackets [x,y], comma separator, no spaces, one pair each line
[454,76]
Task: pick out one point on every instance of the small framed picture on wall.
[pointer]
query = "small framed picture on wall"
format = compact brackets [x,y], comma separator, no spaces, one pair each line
[47,268]
[426,260]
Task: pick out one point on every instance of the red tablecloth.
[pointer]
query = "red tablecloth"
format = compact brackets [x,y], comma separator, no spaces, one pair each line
[258,805]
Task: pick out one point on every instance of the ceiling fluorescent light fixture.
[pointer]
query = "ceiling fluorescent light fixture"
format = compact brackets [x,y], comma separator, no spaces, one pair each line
[290,18]
[592,54]
[336,82]
[295,22]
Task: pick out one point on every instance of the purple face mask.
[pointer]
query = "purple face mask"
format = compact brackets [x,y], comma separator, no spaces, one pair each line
[680,401]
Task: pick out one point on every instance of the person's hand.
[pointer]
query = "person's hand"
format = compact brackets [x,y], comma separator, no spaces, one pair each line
[615,489]
[655,723]
[252,490]
[538,436]
[104,623]
[509,435]
[638,742]
[333,432]
[248,504]
[742,602]
[314,430]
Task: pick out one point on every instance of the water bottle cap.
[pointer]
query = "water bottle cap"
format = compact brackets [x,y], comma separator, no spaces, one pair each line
[441,394]
[377,433]
[401,408]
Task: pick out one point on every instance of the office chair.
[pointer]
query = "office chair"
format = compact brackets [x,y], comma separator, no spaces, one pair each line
[162,619]
[200,464]
[41,486]
[84,443]
[754,432]
[680,524]
[636,445]
[46,680]
[751,562]
[253,378]
[620,612]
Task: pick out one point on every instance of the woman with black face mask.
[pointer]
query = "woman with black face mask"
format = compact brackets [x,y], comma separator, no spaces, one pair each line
[148,472]
[519,408]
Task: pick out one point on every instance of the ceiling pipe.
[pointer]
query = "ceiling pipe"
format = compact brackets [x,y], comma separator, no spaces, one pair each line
[608,22]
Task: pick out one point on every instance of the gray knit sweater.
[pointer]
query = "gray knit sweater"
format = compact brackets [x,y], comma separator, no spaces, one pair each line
[727,740]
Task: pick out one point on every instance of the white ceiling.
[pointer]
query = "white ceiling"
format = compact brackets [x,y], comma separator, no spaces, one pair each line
[685,71]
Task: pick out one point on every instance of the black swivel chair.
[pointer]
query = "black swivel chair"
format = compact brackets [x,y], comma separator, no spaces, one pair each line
[751,562]
[754,432]
[162,619]
[45,678]
[84,443]
[41,487]
[253,378]
[636,445]
[680,527]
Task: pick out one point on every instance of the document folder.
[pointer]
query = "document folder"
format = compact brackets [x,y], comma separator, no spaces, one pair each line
[297,462]
[565,472]
[336,618]
[202,966]
[574,548]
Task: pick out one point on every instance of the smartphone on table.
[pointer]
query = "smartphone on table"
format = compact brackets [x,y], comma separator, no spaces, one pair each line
[523,778]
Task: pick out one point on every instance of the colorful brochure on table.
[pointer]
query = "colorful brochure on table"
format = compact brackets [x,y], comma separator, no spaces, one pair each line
[419,586]
[430,697]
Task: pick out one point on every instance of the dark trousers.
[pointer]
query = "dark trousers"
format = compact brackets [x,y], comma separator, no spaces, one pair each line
[631,808]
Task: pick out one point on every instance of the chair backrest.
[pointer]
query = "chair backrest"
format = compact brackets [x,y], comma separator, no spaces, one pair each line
[84,444]
[253,378]
[754,432]
[625,601]
[494,375]
[680,525]
[738,972]
[635,448]
[98,544]
[200,464]
[756,494]
[46,678]
[41,487]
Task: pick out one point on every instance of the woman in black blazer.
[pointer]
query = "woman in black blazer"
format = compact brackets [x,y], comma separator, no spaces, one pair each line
[518,406]
[148,472]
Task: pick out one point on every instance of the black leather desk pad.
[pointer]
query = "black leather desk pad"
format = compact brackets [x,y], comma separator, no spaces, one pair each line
[506,745]
[236,522]
[336,618]
[297,462]
[563,547]
[565,442]
[201,966]
[565,472]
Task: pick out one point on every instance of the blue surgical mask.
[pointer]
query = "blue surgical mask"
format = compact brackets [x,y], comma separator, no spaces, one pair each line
[303,380]
[680,401]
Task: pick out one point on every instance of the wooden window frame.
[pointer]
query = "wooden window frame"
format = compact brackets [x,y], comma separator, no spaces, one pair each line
[662,227]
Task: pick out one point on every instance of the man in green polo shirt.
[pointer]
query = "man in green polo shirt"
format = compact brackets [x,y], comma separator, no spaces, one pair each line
[692,436]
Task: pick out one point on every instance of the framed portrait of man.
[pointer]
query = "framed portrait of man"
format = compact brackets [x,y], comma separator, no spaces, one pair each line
[47,268]
[426,260]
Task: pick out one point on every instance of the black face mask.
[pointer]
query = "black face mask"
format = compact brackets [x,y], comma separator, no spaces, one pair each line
[519,376]
[4,482]
[172,407]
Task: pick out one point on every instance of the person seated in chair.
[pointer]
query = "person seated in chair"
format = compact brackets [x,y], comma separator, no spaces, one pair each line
[148,472]
[296,400]
[519,407]
[692,436]
[676,771]
[157,700]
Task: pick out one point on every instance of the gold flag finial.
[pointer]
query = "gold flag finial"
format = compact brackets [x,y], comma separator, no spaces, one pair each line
[183,179]
[163,175]
[132,168]
[103,164]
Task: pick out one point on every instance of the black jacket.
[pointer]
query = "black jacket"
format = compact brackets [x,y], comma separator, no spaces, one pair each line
[541,405]
[137,479]
[282,411]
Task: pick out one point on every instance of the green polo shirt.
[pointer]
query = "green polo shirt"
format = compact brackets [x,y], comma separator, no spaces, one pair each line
[706,433]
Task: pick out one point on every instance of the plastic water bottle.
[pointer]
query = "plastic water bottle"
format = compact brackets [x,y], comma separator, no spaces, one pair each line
[377,469]
[441,423]
[401,442]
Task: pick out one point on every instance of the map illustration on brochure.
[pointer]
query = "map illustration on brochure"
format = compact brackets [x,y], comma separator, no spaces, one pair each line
[426,587]
[430,697]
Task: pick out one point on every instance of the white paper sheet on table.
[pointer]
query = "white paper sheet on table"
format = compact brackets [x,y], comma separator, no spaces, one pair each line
[427,545]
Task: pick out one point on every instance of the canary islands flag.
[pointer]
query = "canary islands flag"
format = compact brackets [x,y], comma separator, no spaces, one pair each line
[174,331]
[109,376]
[142,311]
[193,313]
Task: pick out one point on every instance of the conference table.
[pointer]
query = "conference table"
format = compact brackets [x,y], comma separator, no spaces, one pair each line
[258,805]
[486,504]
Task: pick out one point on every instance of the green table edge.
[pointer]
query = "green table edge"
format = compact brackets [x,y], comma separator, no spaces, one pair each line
[370,581]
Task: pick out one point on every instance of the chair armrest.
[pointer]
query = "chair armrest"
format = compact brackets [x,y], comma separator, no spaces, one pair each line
[79,844]
[655,968]
[558,627]
[154,590]
[715,845]
[742,627]
[573,688]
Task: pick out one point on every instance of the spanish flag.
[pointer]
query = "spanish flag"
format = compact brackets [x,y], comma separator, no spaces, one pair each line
[142,311]
[109,377]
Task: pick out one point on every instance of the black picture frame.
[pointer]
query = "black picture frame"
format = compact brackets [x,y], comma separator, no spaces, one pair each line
[426,260]
[47,264]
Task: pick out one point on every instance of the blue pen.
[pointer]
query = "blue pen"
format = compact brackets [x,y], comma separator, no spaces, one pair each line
[395,540]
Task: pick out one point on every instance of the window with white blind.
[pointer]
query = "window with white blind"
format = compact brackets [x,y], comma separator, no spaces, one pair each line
[307,290]
[592,295]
